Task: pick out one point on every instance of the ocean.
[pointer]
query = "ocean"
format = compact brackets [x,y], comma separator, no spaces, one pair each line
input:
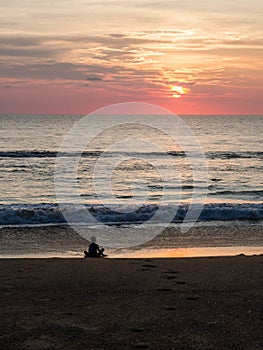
[142,176]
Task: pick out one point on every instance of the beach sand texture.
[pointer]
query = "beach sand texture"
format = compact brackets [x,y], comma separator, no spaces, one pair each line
[184,304]
[63,240]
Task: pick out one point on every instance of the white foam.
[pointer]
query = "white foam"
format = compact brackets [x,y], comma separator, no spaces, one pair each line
[45,214]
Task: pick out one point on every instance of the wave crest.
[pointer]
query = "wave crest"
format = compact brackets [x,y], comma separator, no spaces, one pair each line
[39,214]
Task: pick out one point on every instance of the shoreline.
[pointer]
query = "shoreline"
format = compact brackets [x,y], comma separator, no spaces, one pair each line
[64,241]
[155,253]
[186,303]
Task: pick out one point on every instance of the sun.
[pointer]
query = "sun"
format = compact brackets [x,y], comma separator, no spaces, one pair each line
[179,91]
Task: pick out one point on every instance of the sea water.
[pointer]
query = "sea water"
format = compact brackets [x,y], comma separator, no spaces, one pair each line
[29,147]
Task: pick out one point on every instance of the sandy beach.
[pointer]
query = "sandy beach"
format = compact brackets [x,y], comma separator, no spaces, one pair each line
[131,131]
[63,241]
[184,304]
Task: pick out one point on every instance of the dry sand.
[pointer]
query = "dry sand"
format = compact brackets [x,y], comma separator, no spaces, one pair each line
[182,304]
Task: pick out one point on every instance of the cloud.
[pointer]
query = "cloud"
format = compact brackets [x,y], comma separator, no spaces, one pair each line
[19,41]
[147,61]
[67,71]
[17,52]
[94,77]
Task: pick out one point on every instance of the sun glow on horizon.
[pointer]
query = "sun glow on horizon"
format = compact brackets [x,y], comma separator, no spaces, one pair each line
[192,58]
[179,91]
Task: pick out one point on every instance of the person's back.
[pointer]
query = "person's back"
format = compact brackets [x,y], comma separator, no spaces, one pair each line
[94,250]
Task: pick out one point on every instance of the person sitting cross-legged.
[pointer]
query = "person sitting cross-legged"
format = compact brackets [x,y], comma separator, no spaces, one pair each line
[94,250]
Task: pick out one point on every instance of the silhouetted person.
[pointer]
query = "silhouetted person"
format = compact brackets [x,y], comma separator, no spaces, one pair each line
[94,250]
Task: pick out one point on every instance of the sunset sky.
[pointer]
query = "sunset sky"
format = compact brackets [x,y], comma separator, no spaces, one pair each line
[192,57]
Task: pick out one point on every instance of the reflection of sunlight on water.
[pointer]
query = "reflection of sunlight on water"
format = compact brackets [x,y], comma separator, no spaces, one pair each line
[189,252]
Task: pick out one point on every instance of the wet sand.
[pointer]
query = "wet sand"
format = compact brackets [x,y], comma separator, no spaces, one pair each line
[63,240]
[183,304]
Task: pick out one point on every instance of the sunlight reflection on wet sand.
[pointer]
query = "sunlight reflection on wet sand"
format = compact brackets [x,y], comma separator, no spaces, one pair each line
[189,252]
[152,253]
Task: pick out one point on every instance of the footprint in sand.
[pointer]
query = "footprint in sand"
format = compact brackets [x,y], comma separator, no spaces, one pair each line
[168,277]
[171,272]
[137,330]
[169,308]
[142,346]
[171,277]
[149,266]
[164,289]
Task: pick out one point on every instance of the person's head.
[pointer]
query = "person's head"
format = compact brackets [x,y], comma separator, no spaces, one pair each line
[93,239]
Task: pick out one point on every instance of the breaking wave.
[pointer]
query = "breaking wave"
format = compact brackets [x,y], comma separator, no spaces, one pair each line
[43,214]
